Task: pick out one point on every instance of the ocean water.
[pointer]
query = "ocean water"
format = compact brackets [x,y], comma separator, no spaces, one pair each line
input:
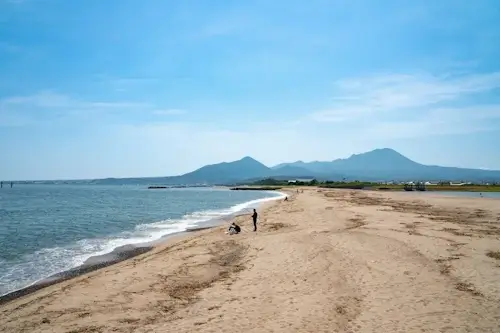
[46,229]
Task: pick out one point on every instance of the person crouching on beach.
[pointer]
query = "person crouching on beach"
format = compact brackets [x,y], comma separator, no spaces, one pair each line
[234,229]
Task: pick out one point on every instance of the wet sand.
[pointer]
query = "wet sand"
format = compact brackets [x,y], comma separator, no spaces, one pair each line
[94,263]
[119,254]
[324,261]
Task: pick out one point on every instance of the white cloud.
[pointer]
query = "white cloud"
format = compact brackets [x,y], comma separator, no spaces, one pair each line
[45,106]
[41,99]
[415,129]
[49,99]
[369,96]
[123,84]
[113,105]
[413,104]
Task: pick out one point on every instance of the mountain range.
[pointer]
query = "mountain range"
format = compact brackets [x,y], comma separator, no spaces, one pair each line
[377,165]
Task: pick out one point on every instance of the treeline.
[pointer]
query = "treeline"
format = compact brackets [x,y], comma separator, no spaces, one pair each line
[276,182]
[356,185]
[315,182]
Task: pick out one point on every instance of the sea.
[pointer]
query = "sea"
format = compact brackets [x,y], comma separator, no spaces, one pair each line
[48,229]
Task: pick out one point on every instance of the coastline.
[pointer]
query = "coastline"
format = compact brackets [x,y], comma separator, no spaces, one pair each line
[323,261]
[92,264]
[125,252]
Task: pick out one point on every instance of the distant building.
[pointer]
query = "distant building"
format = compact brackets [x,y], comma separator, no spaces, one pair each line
[459,184]
[300,180]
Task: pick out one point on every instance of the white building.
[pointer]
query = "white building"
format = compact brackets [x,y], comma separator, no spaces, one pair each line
[300,180]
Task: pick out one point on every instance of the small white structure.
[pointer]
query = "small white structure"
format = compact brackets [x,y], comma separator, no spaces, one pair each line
[299,180]
[459,184]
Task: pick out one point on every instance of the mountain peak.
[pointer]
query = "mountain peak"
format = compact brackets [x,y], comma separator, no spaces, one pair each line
[248,159]
[379,151]
[244,168]
[387,151]
[378,159]
[378,164]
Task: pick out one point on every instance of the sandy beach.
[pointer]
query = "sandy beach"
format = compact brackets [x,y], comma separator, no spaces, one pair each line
[324,261]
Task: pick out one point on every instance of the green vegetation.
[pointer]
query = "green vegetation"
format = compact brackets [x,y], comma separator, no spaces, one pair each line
[276,182]
[446,188]
[358,185]
[270,182]
[355,185]
[314,182]
[256,188]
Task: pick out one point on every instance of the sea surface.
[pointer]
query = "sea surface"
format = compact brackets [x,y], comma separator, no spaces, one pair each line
[47,229]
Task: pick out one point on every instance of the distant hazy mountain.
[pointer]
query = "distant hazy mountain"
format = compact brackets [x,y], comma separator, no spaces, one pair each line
[245,168]
[378,159]
[292,170]
[388,164]
[377,165]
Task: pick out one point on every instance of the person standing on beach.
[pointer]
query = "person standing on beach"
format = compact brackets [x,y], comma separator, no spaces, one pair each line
[254,217]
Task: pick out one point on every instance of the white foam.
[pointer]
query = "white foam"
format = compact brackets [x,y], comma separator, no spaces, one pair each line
[58,259]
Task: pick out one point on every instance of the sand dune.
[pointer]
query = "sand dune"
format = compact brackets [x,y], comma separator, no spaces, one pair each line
[325,261]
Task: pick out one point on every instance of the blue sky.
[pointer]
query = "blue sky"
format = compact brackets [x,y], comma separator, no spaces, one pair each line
[95,88]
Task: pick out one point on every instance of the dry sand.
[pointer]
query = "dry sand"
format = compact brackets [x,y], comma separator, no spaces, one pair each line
[325,261]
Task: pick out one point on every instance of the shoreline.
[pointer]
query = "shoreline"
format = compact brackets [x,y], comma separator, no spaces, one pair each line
[322,261]
[116,256]
[94,263]
[125,252]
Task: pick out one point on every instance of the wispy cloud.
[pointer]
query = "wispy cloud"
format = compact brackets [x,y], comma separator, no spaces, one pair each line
[49,99]
[440,122]
[413,101]
[124,84]
[372,96]
[48,105]
[114,105]
[41,99]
